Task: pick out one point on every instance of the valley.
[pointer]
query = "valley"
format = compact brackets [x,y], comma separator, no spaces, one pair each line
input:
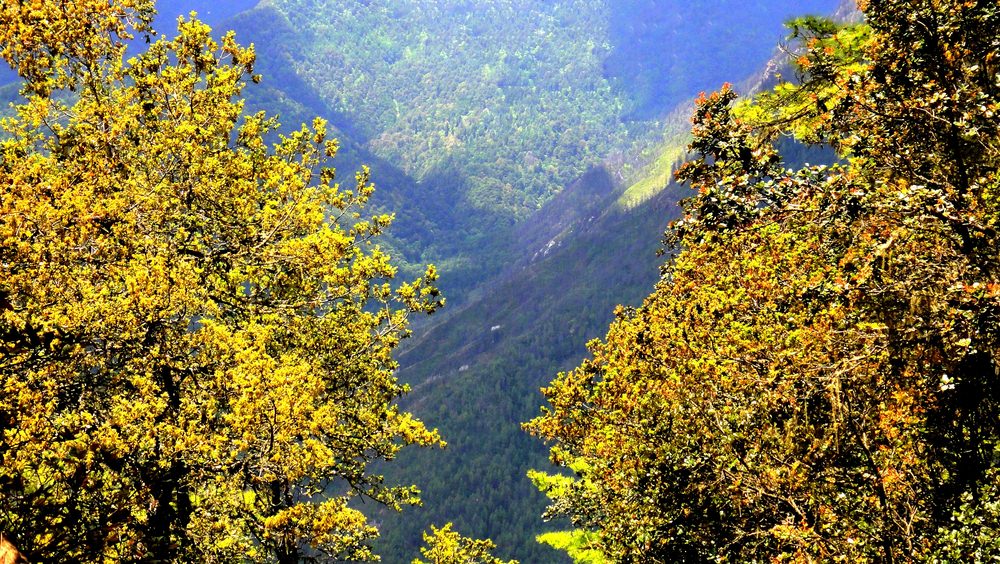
[526,149]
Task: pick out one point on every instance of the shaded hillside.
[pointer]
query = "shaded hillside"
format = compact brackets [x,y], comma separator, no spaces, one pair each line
[663,50]
[477,375]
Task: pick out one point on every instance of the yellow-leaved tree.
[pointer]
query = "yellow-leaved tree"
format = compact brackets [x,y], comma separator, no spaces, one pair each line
[445,546]
[196,326]
[816,377]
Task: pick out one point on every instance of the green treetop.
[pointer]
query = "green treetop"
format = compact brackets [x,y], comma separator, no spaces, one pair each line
[445,546]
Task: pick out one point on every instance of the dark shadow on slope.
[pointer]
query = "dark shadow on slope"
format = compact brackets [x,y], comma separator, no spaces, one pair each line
[576,206]
[435,222]
[476,377]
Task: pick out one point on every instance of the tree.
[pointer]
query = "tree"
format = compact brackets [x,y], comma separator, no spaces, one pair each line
[196,328]
[445,546]
[815,377]
[578,544]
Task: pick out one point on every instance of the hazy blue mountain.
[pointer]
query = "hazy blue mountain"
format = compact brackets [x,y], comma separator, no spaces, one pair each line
[168,11]
[212,13]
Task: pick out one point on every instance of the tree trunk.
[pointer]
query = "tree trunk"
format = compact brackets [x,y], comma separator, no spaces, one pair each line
[9,554]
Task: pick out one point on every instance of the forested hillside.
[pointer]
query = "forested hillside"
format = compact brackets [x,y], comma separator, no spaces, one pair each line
[481,377]
[491,108]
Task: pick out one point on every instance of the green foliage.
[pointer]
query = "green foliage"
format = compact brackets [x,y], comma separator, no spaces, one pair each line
[973,535]
[578,544]
[814,378]
[196,327]
[488,110]
[445,546]
[658,176]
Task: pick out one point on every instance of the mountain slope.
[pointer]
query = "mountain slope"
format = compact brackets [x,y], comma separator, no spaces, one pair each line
[491,108]
[477,375]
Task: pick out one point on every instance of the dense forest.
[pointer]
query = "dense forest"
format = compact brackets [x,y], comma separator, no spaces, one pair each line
[214,342]
[485,110]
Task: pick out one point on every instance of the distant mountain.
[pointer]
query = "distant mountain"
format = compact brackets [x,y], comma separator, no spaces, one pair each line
[212,13]
[491,108]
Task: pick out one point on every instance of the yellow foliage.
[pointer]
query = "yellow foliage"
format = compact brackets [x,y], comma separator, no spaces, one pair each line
[195,353]
[445,546]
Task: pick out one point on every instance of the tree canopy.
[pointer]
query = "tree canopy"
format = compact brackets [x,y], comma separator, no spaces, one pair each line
[816,375]
[196,326]
[445,546]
